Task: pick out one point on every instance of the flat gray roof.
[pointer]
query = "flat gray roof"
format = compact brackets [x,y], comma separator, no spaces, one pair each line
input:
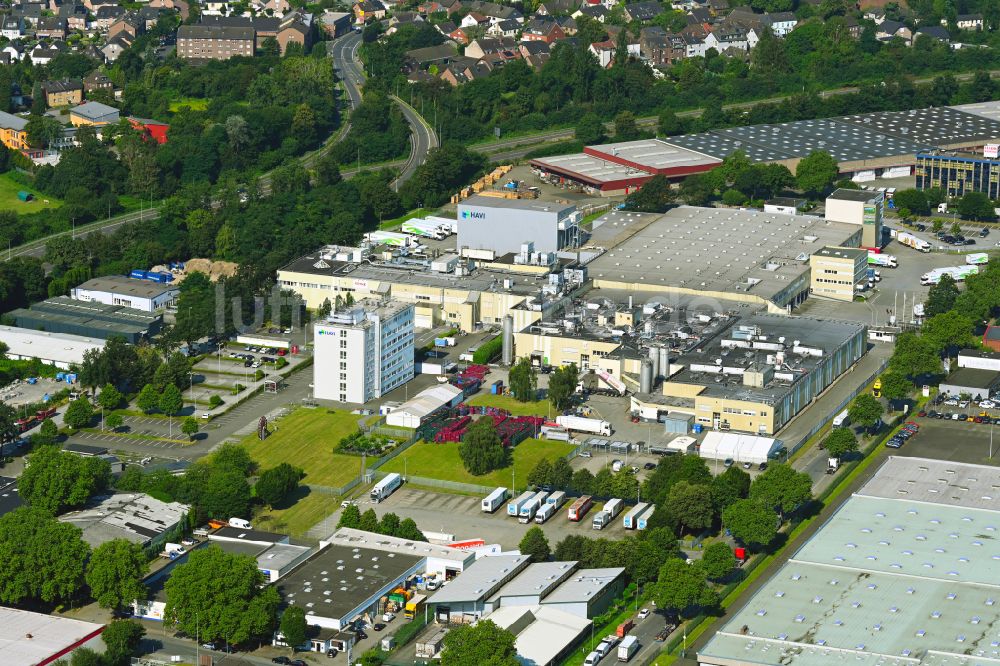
[845,252]
[337,579]
[280,555]
[135,517]
[535,205]
[346,536]
[988,110]
[50,635]
[722,146]
[589,168]
[117,284]
[845,194]
[537,579]
[482,579]
[938,126]
[973,378]
[716,249]
[655,154]
[923,480]
[901,579]
[584,585]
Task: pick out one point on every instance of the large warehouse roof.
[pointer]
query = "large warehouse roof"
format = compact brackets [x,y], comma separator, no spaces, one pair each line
[989,110]
[590,169]
[722,145]
[940,127]
[722,250]
[50,347]
[33,638]
[654,155]
[888,580]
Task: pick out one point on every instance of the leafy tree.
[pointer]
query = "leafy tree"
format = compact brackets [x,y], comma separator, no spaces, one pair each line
[895,385]
[669,124]
[976,205]
[408,530]
[115,572]
[840,441]
[583,481]
[389,524]
[562,385]
[55,480]
[170,401]
[692,504]
[535,544]
[483,643]
[682,587]
[110,397]
[726,488]
[655,196]
[625,127]
[733,197]
[220,596]
[941,296]
[78,414]
[350,517]
[225,494]
[816,172]
[590,130]
[948,332]
[190,427]
[523,380]
[368,521]
[562,474]
[41,559]
[865,410]
[121,641]
[914,356]
[781,488]
[915,200]
[195,308]
[696,189]
[8,425]
[148,398]
[277,483]
[234,456]
[718,561]
[47,434]
[750,523]
[481,449]
[541,475]
[294,627]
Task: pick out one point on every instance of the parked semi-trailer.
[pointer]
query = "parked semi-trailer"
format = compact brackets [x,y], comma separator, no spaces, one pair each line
[528,510]
[423,228]
[514,506]
[579,508]
[614,506]
[643,519]
[633,514]
[494,500]
[977,258]
[883,260]
[583,424]
[389,238]
[545,512]
[446,223]
[909,240]
[958,273]
[556,499]
[386,487]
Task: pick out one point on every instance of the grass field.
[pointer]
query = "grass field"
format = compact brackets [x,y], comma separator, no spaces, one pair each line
[9,201]
[195,104]
[535,408]
[395,222]
[441,461]
[304,510]
[305,438]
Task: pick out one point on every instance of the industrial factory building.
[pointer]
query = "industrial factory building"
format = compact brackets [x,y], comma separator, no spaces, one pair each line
[746,256]
[866,146]
[504,225]
[91,319]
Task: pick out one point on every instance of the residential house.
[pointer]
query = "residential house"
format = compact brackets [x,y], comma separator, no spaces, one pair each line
[853,27]
[933,32]
[535,54]
[494,12]
[463,72]
[335,24]
[542,30]
[660,48]
[51,27]
[150,16]
[507,28]
[93,114]
[294,28]
[67,92]
[967,22]
[781,23]
[598,13]
[888,29]
[403,18]
[717,7]
[369,10]
[13,51]
[642,11]
[112,49]
[29,13]
[459,35]
[128,24]
[699,16]
[480,48]
[75,15]
[557,7]
[694,46]
[13,27]
[876,14]
[422,58]
[97,80]
[215,7]
[728,36]
[211,42]
[13,131]
[44,53]
[271,7]
[446,27]
[475,20]
[179,6]
[263,27]
[106,15]
[568,24]
[604,52]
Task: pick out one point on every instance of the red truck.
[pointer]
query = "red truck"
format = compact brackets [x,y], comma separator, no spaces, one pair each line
[624,628]
[43,414]
[24,424]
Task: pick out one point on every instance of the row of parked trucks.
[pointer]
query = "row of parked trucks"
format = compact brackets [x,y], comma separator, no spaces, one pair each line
[540,505]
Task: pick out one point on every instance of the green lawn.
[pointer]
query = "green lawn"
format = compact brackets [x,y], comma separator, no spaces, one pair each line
[512,405]
[305,438]
[396,221]
[305,510]
[441,461]
[195,104]
[9,201]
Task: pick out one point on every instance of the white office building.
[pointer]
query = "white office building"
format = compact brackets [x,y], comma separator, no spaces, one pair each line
[128,292]
[363,352]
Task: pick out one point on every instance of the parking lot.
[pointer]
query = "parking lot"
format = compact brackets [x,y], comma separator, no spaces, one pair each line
[952,440]
[20,392]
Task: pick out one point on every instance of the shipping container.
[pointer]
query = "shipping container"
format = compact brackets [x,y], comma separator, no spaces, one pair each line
[137,274]
[579,508]
[494,500]
[624,628]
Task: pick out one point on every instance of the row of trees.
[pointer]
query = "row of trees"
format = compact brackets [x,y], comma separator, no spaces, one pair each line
[390,524]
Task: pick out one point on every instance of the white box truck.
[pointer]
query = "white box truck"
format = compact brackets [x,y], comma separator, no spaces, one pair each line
[583,424]
[545,512]
[530,508]
[909,240]
[557,499]
[514,506]
[842,420]
[494,500]
[601,520]
[627,648]
[386,487]
[977,258]
[614,507]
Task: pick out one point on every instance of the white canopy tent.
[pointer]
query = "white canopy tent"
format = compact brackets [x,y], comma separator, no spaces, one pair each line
[738,447]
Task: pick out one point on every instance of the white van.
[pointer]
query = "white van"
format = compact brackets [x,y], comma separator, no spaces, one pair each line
[240,523]
[842,419]
[592,659]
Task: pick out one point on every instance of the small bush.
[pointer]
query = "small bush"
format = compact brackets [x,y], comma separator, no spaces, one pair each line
[215,401]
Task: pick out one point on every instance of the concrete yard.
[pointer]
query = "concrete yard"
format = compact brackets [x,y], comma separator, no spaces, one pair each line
[951,440]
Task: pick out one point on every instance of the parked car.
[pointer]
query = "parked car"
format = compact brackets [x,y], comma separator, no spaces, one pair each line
[208,646]
[281,660]
[728,462]
[586,454]
[894,443]
[747,465]
[921,413]
[379,626]
[643,614]
[984,232]
[988,404]
[649,465]
[761,467]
